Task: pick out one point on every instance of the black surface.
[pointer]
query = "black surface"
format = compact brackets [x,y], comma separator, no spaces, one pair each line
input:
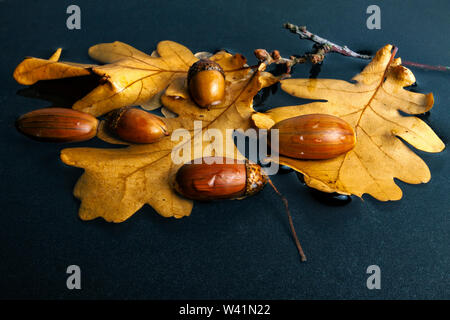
[234,249]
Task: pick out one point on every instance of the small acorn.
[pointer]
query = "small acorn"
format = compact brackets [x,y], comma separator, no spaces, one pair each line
[136,125]
[215,179]
[314,136]
[58,125]
[206,82]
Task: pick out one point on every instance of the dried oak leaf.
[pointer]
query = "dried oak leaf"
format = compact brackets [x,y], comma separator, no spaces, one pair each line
[129,77]
[375,106]
[118,182]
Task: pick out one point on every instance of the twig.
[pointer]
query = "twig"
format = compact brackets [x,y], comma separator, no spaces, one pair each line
[329,46]
[425,66]
[264,57]
[320,49]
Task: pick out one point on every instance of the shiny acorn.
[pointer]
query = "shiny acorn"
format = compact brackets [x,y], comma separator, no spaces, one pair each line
[206,82]
[215,179]
[314,136]
[57,125]
[136,125]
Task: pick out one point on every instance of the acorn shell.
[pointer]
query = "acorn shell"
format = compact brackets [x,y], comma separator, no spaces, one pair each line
[215,181]
[57,125]
[136,125]
[314,136]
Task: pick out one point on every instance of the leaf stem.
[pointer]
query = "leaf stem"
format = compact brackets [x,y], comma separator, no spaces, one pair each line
[291,223]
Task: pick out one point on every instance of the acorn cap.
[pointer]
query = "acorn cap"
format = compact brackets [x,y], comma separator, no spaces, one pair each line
[256,178]
[114,116]
[204,65]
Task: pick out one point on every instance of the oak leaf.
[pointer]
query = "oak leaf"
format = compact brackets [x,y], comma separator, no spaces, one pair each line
[118,182]
[375,105]
[129,77]
[32,70]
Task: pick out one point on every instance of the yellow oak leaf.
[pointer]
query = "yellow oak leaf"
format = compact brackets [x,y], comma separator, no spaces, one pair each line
[32,70]
[377,106]
[118,182]
[129,77]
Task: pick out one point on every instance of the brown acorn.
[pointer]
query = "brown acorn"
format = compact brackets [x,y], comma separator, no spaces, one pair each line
[58,125]
[206,82]
[314,136]
[214,181]
[136,125]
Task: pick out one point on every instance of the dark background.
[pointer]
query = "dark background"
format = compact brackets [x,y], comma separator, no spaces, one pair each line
[230,249]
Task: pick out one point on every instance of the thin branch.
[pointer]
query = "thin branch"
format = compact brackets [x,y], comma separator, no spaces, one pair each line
[268,58]
[320,49]
[328,45]
[425,66]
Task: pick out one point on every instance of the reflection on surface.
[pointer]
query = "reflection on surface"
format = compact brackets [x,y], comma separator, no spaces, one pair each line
[62,92]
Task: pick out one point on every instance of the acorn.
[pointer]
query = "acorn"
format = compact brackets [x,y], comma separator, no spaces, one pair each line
[314,136]
[215,179]
[206,82]
[136,125]
[58,125]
